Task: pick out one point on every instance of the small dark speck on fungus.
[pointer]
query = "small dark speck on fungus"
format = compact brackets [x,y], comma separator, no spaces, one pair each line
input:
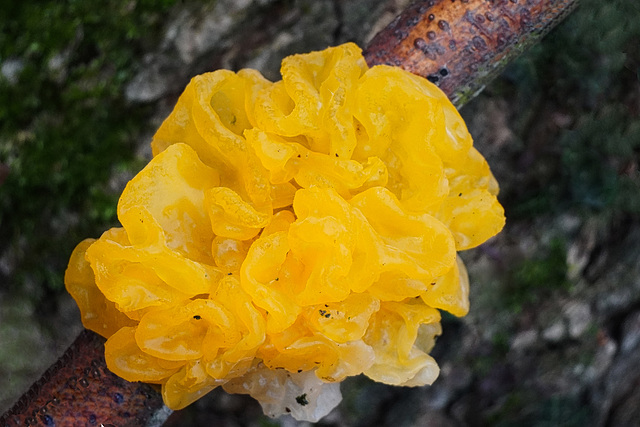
[302,399]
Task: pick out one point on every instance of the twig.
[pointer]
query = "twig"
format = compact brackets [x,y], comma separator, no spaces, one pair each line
[461,45]
[79,390]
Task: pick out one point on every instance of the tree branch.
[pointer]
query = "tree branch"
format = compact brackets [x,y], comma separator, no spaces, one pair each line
[462,45]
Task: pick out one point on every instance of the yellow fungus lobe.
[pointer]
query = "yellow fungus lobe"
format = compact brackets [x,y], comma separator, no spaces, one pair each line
[291,233]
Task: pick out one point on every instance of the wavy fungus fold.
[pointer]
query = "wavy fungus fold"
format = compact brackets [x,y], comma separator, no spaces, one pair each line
[292,233]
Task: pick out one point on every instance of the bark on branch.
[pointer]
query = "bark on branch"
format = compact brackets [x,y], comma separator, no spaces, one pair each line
[461,45]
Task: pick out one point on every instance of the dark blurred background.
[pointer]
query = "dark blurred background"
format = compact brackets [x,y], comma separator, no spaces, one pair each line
[553,336]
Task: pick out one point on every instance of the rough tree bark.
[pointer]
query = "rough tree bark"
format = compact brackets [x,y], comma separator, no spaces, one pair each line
[462,45]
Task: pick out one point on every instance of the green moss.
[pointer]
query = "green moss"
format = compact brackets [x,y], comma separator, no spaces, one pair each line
[64,125]
[537,278]
[508,412]
[521,408]
[268,422]
[583,71]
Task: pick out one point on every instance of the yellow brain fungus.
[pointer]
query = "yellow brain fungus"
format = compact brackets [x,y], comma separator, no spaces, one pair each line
[291,234]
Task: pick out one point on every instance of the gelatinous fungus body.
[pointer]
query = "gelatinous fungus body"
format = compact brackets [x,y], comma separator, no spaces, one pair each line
[291,233]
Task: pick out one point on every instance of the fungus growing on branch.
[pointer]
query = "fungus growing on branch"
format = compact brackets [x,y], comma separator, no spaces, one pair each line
[292,233]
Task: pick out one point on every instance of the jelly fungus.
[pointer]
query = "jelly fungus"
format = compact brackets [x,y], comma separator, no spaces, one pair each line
[288,235]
